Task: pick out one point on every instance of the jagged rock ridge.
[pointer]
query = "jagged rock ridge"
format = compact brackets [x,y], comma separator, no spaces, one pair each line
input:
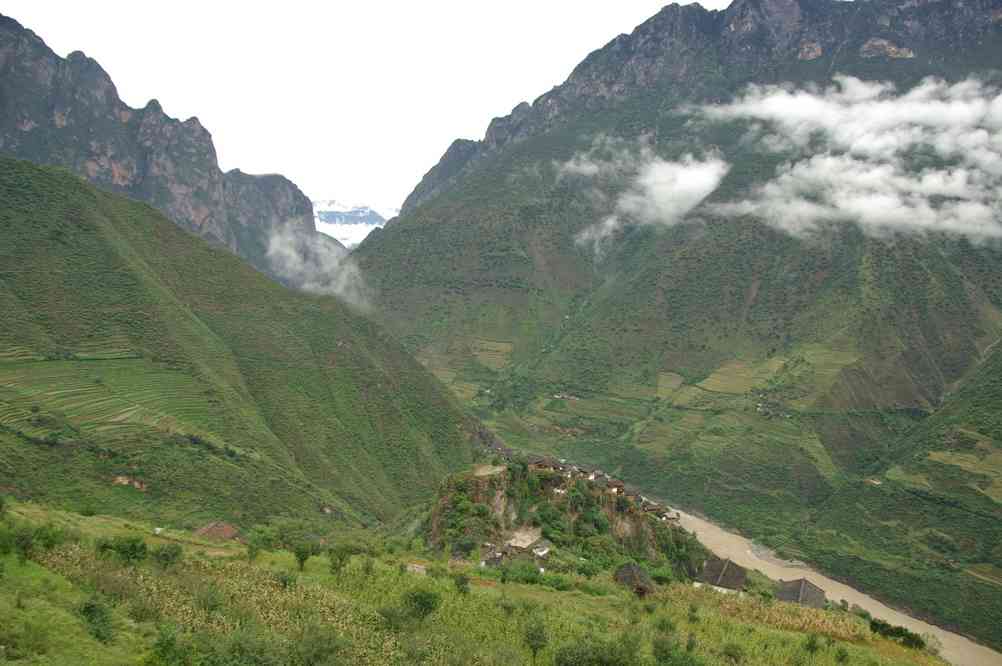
[67,112]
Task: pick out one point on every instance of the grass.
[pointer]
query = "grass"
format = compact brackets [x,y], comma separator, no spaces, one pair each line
[208,597]
[133,349]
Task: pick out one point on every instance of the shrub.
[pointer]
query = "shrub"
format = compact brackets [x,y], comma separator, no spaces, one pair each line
[24,543]
[339,556]
[129,549]
[97,616]
[143,610]
[535,637]
[462,583]
[617,651]
[812,644]
[285,580]
[167,555]
[734,653]
[209,598]
[665,625]
[669,653]
[841,654]
[421,603]
[3,506]
[394,617]
[316,645]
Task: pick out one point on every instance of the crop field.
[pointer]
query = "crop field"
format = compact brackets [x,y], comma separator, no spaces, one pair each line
[103,395]
[212,598]
[984,465]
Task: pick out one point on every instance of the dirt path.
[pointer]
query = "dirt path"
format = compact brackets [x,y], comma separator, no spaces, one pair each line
[956,649]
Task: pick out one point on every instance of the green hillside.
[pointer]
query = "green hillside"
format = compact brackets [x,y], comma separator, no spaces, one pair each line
[100,590]
[763,378]
[145,373]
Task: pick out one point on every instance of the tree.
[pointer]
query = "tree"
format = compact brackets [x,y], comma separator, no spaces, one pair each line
[303,551]
[535,637]
[3,506]
[339,556]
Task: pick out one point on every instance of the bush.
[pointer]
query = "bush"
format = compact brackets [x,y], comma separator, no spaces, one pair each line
[97,616]
[303,551]
[143,610]
[812,644]
[24,543]
[285,580]
[394,617]
[129,549]
[421,603]
[462,583]
[316,645]
[209,598]
[535,637]
[621,651]
[167,555]
[734,653]
[669,653]
[339,557]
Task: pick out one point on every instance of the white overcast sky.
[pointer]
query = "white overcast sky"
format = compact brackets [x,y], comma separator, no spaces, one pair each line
[351,100]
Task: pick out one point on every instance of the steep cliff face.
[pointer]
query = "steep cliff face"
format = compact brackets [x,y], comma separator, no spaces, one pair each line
[67,112]
[688,52]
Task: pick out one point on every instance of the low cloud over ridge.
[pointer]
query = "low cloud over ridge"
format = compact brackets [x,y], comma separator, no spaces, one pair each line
[317,264]
[659,192]
[925,160]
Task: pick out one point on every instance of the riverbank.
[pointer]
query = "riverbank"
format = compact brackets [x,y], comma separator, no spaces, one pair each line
[956,649]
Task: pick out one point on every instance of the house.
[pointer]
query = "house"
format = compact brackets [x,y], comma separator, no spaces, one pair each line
[541,549]
[722,575]
[801,591]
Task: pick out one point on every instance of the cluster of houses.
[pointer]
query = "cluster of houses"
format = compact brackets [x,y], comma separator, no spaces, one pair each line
[593,475]
[721,575]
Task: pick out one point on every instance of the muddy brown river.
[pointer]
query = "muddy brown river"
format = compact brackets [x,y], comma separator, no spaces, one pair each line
[956,649]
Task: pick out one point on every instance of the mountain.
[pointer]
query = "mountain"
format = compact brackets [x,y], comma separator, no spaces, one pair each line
[145,372]
[349,224]
[66,112]
[744,259]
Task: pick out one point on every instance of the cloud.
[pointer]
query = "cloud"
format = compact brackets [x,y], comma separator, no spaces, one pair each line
[925,160]
[313,262]
[658,191]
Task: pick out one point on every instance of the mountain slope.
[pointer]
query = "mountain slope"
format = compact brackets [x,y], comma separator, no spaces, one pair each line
[144,372]
[67,112]
[761,372]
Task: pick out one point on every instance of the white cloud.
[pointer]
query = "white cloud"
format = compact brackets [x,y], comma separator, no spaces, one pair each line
[925,160]
[659,192]
[307,262]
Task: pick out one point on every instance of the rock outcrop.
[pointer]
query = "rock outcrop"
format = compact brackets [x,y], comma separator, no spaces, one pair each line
[690,52]
[67,112]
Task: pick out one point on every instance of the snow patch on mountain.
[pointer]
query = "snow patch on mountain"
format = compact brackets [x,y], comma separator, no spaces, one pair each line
[349,223]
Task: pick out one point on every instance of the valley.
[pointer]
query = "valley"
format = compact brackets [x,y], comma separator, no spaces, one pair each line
[746,261]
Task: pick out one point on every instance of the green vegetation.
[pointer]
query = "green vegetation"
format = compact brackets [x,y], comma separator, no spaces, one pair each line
[764,380]
[145,373]
[70,604]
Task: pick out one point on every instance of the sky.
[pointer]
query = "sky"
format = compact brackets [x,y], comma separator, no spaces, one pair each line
[351,100]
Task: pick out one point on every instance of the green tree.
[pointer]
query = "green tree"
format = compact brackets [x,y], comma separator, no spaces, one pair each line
[303,551]
[462,583]
[421,603]
[167,555]
[339,557]
[535,637]
[24,543]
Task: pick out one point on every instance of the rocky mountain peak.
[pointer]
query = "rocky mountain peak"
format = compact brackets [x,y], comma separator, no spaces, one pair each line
[67,111]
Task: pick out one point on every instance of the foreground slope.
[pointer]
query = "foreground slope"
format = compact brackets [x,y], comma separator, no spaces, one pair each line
[144,372]
[771,380]
[101,591]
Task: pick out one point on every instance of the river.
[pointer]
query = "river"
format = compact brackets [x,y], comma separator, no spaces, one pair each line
[956,649]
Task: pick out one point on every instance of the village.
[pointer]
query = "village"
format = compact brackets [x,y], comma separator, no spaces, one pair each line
[721,575]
